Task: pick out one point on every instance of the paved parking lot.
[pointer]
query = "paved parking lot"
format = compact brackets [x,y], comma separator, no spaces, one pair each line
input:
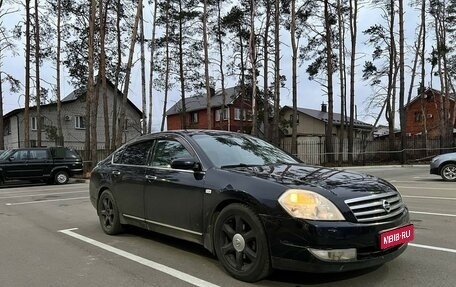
[50,236]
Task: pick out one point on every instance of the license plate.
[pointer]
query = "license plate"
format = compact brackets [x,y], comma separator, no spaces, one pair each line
[396,236]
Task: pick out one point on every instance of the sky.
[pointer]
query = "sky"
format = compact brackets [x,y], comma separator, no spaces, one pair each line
[310,94]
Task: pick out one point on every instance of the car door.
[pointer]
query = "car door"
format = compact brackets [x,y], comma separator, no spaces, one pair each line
[128,179]
[39,163]
[15,165]
[174,198]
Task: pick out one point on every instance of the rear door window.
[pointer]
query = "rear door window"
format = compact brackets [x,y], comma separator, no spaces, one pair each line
[136,154]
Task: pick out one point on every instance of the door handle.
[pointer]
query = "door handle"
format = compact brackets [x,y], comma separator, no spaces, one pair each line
[115,172]
[151,177]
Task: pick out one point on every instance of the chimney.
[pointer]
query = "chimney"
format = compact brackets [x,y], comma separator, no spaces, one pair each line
[212,91]
[324,108]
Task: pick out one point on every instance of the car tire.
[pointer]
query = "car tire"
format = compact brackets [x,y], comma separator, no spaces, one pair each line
[240,243]
[448,172]
[108,214]
[61,177]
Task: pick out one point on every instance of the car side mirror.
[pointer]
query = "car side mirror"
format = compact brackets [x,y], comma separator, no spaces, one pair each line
[186,164]
[11,158]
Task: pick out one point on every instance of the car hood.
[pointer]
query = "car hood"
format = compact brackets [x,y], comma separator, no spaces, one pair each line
[341,183]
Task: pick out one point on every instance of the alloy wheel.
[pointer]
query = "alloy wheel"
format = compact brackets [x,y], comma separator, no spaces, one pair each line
[449,172]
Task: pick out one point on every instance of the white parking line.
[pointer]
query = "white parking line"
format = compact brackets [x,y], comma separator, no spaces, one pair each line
[433,247]
[44,201]
[429,197]
[149,263]
[41,194]
[38,188]
[431,213]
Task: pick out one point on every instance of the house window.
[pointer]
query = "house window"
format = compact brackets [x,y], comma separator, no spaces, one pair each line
[297,118]
[7,127]
[194,118]
[217,115]
[237,114]
[80,122]
[34,123]
[246,114]
[418,116]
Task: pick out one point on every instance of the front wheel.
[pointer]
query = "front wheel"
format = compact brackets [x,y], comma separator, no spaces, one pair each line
[448,172]
[109,214]
[240,243]
[61,177]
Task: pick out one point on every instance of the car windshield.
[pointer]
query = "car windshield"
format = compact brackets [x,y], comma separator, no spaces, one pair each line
[236,150]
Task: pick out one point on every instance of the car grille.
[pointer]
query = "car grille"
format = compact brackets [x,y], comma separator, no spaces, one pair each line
[377,207]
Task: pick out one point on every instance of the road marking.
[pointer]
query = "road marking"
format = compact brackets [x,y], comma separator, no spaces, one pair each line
[433,248]
[42,194]
[44,201]
[38,188]
[420,187]
[429,197]
[149,263]
[430,213]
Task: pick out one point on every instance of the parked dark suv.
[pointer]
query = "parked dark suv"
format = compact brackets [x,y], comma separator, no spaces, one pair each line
[53,165]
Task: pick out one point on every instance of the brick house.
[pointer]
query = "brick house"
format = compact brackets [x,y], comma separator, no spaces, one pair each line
[237,115]
[423,113]
[73,121]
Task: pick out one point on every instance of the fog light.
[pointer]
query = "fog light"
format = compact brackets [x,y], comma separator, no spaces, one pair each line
[334,254]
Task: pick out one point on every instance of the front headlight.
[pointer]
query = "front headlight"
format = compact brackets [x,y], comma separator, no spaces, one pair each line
[434,159]
[309,205]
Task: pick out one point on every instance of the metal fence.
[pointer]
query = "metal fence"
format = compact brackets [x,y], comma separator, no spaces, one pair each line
[311,150]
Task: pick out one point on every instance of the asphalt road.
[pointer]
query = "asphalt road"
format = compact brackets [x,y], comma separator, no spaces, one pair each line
[40,247]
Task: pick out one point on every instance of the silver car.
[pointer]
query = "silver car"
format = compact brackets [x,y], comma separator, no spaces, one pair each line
[445,166]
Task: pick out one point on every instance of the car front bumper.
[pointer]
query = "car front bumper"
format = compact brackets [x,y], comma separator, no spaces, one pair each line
[290,239]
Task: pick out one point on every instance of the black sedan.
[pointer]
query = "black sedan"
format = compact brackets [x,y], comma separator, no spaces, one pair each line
[251,204]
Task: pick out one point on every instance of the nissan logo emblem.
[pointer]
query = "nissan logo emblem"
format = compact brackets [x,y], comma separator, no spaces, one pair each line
[386,206]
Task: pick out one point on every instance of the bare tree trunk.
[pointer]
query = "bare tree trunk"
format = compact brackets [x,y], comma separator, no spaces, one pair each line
[277,76]
[252,54]
[143,72]
[222,74]
[128,74]
[402,107]
[438,33]
[60,139]
[342,80]
[2,139]
[37,75]
[91,97]
[116,84]
[266,71]
[329,68]
[390,106]
[27,77]
[166,69]
[353,37]
[423,74]
[152,67]
[102,74]
[294,80]
[206,67]
[244,90]
[183,112]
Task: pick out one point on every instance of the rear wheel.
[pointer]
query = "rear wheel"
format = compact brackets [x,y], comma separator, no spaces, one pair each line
[240,243]
[109,214]
[61,177]
[448,172]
